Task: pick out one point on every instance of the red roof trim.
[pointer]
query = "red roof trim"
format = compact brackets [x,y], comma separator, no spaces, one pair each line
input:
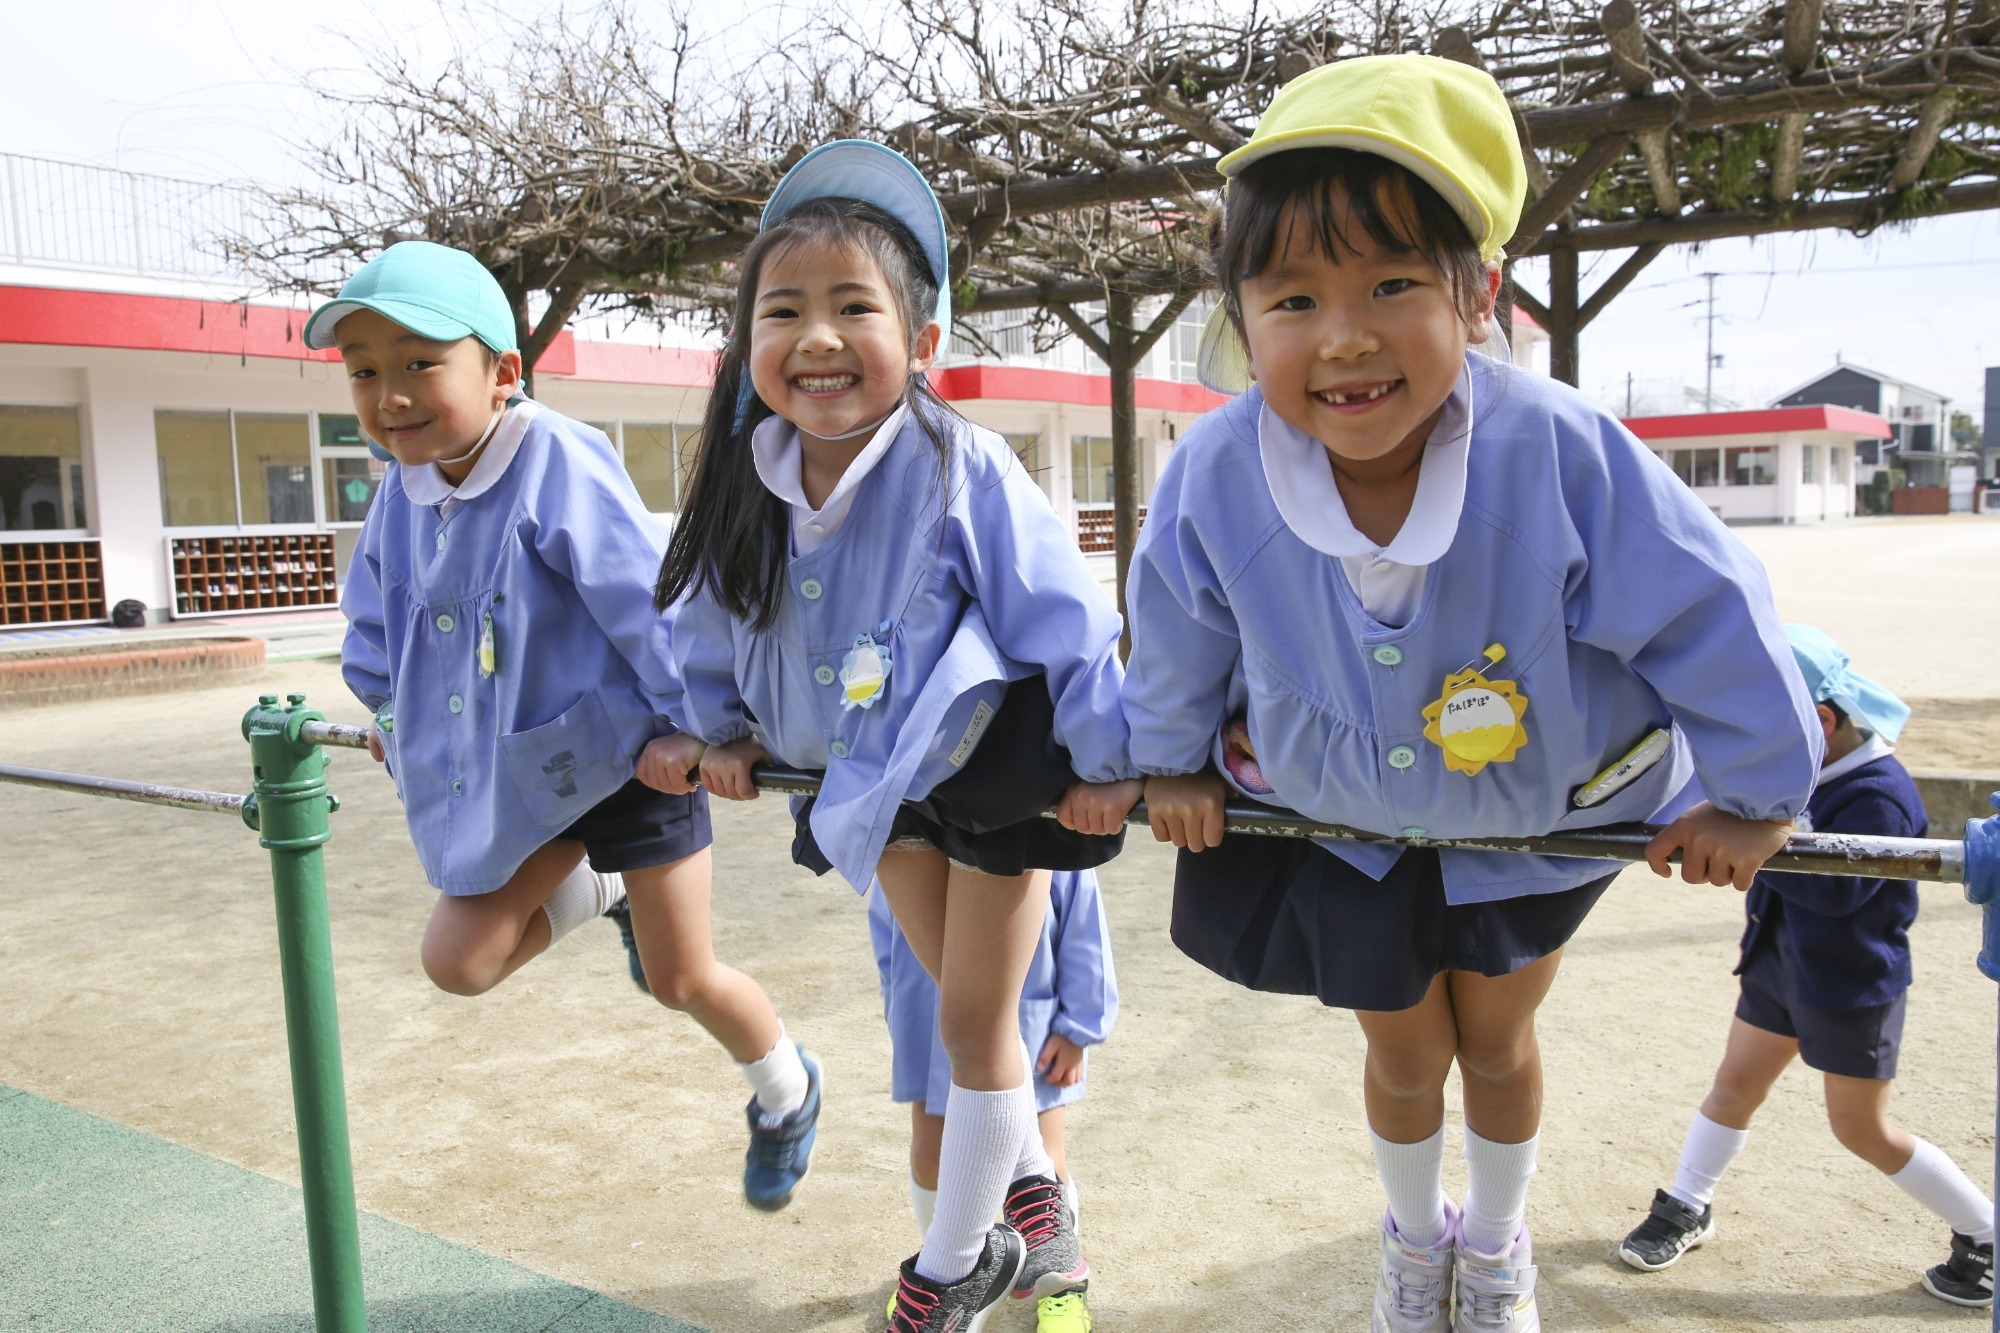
[1765,421]
[1030,384]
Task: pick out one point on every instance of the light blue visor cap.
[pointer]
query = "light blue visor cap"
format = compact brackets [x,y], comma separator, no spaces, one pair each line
[875,174]
[1828,679]
[432,290]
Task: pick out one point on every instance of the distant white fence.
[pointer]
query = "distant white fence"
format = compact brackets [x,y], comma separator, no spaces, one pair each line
[67,215]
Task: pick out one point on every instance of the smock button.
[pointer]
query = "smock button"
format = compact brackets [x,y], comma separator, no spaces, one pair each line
[455,704]
[1416,831]
[457,787]
[1389,655]
[440,539]
[838,749]
[446,624]
[823,674]
[1402,757]
[811,589]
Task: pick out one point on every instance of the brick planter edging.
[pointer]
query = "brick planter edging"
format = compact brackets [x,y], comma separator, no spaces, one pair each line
[27,679]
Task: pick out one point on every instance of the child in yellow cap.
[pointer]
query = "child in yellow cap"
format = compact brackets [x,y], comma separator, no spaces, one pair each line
[1399,586]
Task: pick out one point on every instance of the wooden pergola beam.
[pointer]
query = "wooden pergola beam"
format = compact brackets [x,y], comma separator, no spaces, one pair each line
[1567,188]
[1848,214]
[1626,35]
[1608,290]
[1922,140]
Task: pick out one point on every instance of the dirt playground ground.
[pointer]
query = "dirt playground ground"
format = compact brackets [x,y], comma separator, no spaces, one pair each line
[570,1125]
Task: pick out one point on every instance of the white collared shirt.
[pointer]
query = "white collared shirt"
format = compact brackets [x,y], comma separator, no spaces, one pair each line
[1389,580]
[774,446]
[426,484]
[1871,749]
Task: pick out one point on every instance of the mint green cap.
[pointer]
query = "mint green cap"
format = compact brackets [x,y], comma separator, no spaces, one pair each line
[432,290]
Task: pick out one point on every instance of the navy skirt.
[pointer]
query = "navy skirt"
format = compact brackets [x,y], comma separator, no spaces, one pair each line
[1287,916]
[988,815]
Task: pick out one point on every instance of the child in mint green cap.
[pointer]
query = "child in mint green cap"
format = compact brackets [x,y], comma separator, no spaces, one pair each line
[501,626]
[1825,972]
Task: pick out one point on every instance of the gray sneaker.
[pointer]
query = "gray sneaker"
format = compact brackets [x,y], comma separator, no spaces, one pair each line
[924,1306]
[1036,1207]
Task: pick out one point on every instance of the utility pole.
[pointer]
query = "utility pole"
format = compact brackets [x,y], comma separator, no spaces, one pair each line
[1708,364]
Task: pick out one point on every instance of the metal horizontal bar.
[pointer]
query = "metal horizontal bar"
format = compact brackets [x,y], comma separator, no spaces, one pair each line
[146,793]
[1930,859]
[335,733]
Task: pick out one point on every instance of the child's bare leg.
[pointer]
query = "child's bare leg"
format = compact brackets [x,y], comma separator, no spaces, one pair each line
[474,942]
[1858,1111]
[670,923]
[926,1135]
[1751,1064]
[1498,1056]
[1051,1122]
[1409,1053]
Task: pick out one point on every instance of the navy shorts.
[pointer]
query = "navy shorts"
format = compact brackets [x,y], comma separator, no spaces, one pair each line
[988,815]
[1857,1043]
[637,826]
[1286,915]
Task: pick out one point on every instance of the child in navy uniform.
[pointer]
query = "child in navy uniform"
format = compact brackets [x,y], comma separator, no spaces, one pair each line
[501,627]
[1068,1004]
[1825,969]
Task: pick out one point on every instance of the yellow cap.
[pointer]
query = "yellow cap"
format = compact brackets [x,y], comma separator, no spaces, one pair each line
[1449,123]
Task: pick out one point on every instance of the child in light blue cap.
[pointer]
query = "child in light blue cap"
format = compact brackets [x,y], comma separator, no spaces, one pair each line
[501,626]
[1825,970]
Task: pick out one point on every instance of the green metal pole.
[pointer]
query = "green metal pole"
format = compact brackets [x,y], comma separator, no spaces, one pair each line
[289,806]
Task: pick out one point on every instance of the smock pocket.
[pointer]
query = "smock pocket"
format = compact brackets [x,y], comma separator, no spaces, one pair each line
[563,767]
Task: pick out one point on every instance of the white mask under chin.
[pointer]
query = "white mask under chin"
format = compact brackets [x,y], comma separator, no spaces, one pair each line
[491,426]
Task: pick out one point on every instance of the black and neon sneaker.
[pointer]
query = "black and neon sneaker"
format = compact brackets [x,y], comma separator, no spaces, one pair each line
[620,914]
[924,1306]
[1670,1231]
[1967,1277]
[1036,1208]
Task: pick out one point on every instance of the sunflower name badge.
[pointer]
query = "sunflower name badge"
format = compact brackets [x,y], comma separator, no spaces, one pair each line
[1477,721]
[864,673]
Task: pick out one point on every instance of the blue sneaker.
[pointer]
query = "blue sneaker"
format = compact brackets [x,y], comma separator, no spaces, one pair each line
[779,1156]
[620,913]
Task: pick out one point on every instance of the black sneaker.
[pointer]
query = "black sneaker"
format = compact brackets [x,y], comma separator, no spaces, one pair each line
[1036,1208]
[620,912]
[1670,1232]
[924,1306]
[1967,1277]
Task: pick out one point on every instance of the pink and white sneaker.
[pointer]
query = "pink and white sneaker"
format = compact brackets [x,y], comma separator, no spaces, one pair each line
[1496,1293]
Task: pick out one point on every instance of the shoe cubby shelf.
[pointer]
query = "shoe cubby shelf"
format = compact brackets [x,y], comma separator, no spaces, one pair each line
[218,576]
[51,583]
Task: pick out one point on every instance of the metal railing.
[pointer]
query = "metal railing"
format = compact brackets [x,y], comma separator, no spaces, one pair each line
[69,215]
[289,805]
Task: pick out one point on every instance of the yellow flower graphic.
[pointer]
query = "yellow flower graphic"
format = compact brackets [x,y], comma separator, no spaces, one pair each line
[1476,721]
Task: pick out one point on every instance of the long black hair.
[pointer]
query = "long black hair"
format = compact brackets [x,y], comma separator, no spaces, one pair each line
[732,535]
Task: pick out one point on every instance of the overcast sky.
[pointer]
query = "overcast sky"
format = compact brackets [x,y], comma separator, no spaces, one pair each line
[209,89]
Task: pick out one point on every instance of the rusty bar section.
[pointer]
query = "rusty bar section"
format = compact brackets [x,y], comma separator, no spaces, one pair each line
[146,793]
[335,733]
[1930,859]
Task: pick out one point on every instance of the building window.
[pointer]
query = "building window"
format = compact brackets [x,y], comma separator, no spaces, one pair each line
[1836,463]
[234,469]
[1090,469]
[41,470]
[1028,448]
[1868,453]
[1749,465]
[1698,467]
[1808,463]
[659,456]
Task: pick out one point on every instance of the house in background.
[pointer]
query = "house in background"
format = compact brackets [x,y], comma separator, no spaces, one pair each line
[1919,421]
[1772,465]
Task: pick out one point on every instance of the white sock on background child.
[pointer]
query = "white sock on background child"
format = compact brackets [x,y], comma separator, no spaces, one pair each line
[779,1080]
[983,1132]
[583,895]
[1496,1192]
[923,1203]
[1705,1158]
[1413,1177]
[1934,1180]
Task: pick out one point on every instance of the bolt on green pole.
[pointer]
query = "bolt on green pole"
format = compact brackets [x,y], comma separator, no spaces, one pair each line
[289,807]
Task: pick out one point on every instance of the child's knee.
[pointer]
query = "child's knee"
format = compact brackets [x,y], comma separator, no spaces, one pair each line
[1408,1072]
[454,974]
[1496,1060]
[683,989]
[1860,1130]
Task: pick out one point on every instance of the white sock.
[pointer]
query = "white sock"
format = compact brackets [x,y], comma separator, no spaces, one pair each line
[584,895]
[1413,1177]
[1706,1155]
[1074,1193]
[923,1203]
[1496,1191]
[982,1138]
[1935,1181]
[778,1079]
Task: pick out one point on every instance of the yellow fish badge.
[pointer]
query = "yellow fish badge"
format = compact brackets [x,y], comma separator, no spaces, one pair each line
[1477,721]
[864,672]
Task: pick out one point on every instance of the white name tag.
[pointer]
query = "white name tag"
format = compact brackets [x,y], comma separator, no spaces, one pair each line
[973,731]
